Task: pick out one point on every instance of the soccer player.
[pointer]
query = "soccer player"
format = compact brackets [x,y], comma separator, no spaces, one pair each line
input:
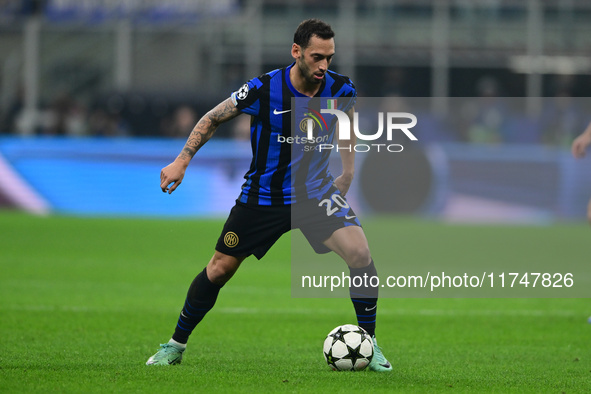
[579,147]
[268,205]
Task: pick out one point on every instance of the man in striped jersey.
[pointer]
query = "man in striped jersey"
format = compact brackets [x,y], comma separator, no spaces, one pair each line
[285,188]
[578,149]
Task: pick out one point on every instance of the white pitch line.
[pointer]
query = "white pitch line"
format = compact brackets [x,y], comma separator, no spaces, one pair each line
[304,311]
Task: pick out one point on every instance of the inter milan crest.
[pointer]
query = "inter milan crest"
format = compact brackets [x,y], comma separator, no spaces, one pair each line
[231,239]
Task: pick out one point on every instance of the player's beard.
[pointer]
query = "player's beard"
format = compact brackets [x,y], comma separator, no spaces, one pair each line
[306,73]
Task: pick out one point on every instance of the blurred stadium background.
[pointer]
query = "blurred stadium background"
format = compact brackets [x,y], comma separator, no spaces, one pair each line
[97,96]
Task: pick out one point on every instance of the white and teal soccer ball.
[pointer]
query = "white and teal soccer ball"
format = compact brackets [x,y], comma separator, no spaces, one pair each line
[348,348]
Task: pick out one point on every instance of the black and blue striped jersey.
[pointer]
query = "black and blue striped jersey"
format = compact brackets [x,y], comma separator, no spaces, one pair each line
[283,172]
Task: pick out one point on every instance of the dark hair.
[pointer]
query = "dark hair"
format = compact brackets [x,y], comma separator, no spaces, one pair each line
[309,28]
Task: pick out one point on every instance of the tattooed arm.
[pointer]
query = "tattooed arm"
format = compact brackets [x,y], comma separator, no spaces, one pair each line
[202,132]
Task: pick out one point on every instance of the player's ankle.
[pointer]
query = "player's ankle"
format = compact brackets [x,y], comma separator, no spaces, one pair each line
[177,344]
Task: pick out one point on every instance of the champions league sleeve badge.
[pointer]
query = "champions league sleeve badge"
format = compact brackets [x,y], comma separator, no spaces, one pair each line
[242,92]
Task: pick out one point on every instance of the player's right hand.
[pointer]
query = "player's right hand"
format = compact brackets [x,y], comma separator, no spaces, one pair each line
[171,177]
[579,146]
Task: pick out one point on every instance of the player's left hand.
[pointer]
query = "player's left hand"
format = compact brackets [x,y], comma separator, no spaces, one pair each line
[343,183]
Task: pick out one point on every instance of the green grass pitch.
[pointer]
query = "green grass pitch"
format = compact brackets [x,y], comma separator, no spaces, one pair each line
[84,303]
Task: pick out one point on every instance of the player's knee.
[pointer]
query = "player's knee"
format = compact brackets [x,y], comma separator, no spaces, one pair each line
[358,256]
[589,212]
[221,268]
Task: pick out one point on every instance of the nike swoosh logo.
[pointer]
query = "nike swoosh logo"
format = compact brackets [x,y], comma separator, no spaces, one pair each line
[275,112]
[350,217]
[370,309]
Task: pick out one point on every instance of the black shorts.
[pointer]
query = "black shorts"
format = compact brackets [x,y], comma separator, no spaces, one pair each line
[253,229]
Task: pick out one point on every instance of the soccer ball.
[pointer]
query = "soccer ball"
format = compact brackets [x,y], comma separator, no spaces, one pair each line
[348,348]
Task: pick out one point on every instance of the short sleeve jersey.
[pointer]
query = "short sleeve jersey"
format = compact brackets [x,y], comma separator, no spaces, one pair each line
[280,174]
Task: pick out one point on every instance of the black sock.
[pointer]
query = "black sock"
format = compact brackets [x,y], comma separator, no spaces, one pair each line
[201,298]
[364,296]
